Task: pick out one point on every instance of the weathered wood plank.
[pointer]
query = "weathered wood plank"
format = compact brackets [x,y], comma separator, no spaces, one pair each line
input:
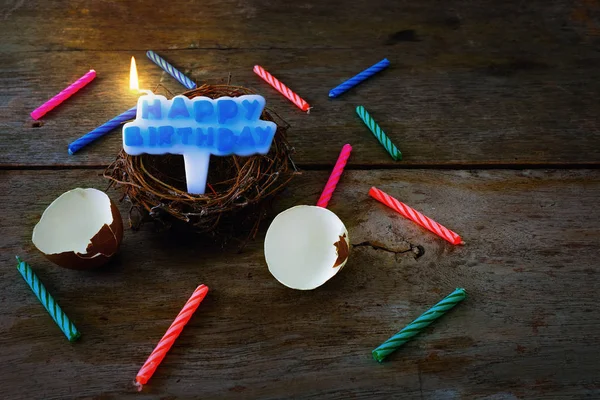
[446,108]
[528,330]
[139,25]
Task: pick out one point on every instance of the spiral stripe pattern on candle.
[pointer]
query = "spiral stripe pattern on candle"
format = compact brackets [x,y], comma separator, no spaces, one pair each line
[64,95]
[415,327]
[335,176]
[281,88]
[163,346]
[48,301]
[102,130]
[355,80]
[379,133]
[171,70]
[415,216]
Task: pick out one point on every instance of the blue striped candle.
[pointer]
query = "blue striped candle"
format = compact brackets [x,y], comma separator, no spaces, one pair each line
[171,70]
[102,130]
[355,80]
[48,301]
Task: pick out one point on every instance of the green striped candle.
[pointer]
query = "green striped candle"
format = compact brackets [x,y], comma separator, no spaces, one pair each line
[379,133]
[48,301]
[415,327]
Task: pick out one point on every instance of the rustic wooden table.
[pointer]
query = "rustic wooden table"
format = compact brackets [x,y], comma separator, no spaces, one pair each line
[495,108]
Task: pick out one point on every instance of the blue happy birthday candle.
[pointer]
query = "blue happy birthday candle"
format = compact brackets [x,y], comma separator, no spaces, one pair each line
[197,128]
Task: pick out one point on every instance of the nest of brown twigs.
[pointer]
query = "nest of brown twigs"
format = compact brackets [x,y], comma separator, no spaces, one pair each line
[237,189]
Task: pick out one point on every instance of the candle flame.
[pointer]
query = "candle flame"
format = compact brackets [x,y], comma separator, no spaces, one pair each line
[133,76]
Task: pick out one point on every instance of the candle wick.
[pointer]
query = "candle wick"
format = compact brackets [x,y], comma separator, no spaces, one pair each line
[138,386]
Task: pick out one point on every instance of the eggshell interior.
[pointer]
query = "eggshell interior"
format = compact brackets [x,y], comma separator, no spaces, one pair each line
[72,220]
[82,229]
[301,247]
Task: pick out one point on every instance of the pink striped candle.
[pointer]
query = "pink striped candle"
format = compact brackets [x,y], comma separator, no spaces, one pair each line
[163,346]
[281,88]
[415,216]
[64,95]
[334,178]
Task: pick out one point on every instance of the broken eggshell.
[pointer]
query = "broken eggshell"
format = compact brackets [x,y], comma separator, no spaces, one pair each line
[81,229]
[306,246]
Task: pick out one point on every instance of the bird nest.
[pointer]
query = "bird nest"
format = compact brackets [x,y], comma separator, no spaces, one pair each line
[237,189]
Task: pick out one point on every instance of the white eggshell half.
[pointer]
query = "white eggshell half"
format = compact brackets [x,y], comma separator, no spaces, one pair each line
[81,229]
[306,246]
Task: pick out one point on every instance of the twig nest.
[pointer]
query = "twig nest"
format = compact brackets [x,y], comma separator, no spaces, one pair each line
[306,246]
[81,229]
[238,187]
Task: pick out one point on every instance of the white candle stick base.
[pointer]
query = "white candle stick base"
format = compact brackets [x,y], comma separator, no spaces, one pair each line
[196,171]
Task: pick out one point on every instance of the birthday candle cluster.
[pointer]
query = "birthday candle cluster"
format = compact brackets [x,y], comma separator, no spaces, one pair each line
[167,341]
[117,121]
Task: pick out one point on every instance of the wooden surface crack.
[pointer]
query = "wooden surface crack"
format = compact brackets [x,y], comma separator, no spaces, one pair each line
[420,381]
[417,250]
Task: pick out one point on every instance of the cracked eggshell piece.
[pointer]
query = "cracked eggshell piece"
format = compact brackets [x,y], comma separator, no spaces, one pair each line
[306,246]
[81,229]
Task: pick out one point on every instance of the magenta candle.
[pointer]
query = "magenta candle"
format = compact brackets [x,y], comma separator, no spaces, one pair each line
[335,176]
[64,95]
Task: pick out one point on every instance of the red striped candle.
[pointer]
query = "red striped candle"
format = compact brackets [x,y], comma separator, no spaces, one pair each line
[64,95]
[281,88]
[415,216]
[163,346]
[335,176]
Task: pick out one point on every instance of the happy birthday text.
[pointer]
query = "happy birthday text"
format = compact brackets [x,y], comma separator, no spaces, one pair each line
[221,126]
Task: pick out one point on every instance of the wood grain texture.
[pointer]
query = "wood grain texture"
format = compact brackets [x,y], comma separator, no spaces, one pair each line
[479,84]
[475,110]
[471,83]
[529,328]
[57,25]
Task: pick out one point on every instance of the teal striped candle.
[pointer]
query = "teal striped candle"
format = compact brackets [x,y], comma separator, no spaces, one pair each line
[48,301]
[415,327]
[379,133]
